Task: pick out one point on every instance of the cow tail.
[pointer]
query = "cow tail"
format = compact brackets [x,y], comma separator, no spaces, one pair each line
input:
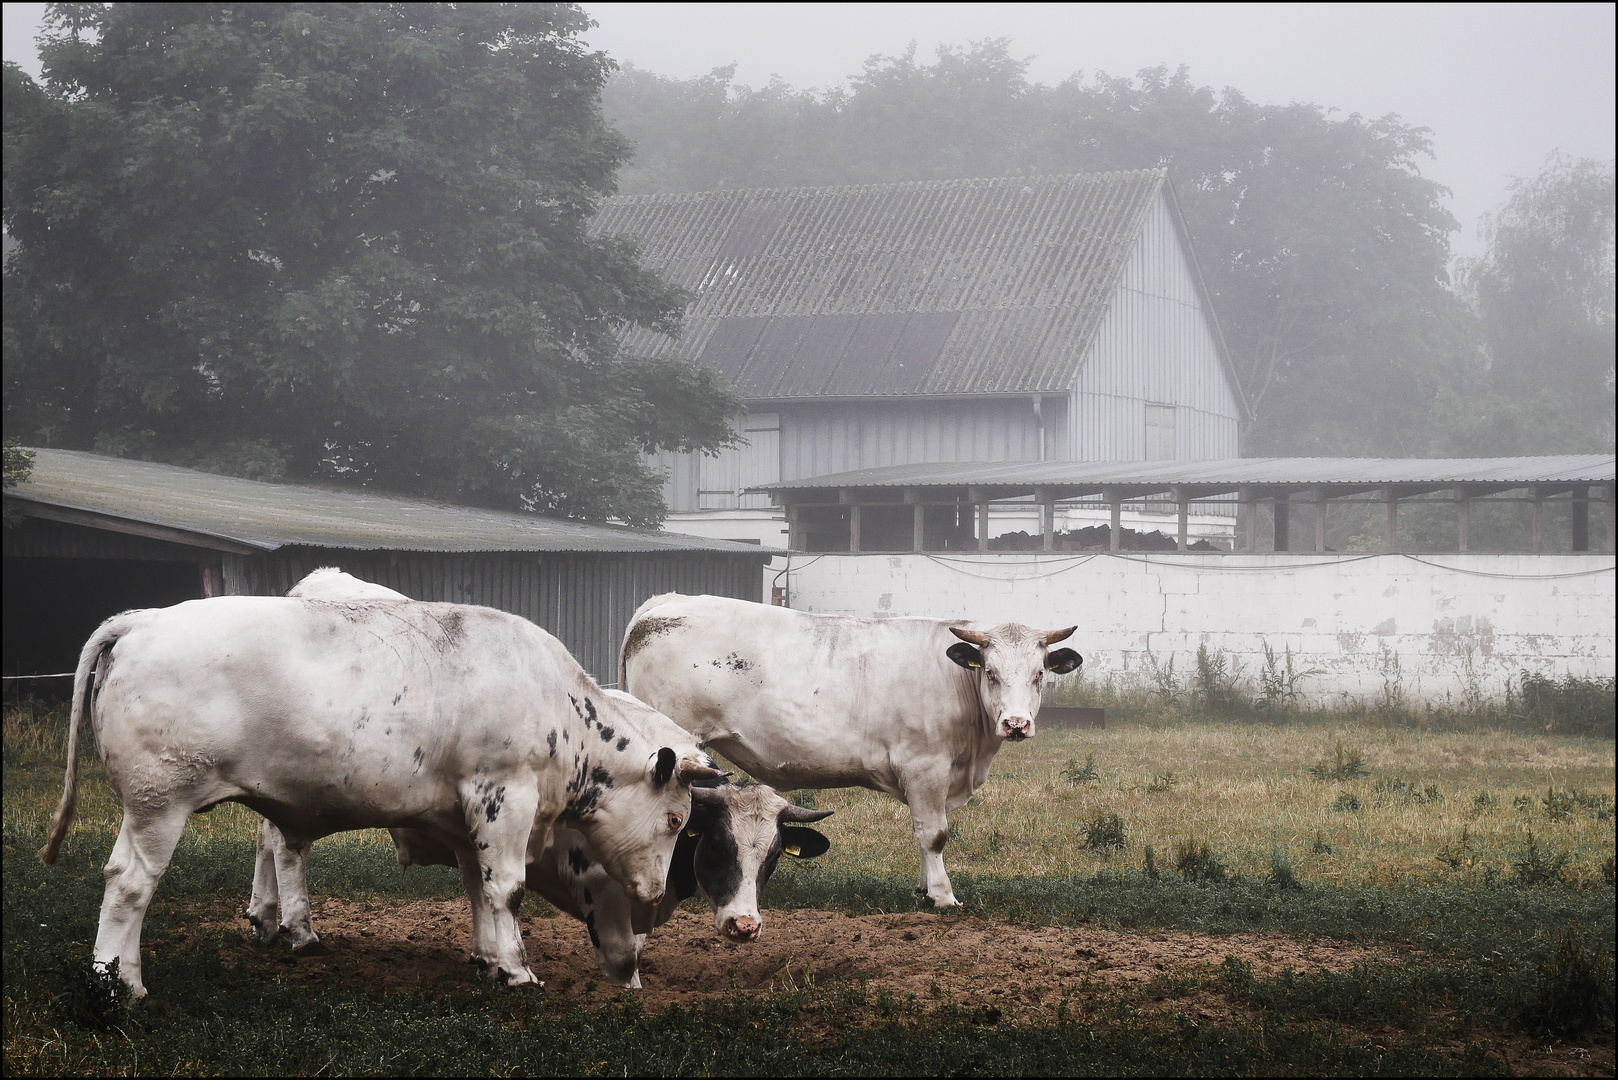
[89,657]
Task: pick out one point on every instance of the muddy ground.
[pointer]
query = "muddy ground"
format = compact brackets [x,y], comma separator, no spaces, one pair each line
[1010,973]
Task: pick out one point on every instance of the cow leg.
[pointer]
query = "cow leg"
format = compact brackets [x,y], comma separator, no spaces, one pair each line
[483,949]
[499,824]
[930,823]
[263,909]
[140,855]
[291,875]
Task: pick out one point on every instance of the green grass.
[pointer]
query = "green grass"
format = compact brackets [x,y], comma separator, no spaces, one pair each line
[1492,957]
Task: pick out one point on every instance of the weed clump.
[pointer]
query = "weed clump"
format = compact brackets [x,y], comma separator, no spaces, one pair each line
[1104,832]
[1343,765]
[1281,875]
[1162,782]
[1195,861]
[1561,805]
[1395,788]
[1347,802]
[1536,868]
[1574,992]
[1569,706]
[1151,863]
[1320,847]
[1484,803]
[1459,854]
[1080,775]
[94,997]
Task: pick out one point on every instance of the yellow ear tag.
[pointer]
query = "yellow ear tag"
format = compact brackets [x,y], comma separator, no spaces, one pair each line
[691,832]
[792,849]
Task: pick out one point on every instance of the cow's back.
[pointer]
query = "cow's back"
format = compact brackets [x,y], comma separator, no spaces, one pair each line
[313,704]
[800,699]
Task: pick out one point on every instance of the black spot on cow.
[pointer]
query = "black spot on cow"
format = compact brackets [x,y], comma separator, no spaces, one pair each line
[601,776]
[398,697]
[388,730]
[590,925]
[737,663]
[716,861]
[507,744]
[588,899]
[419,757]
[564,735]
[514,901]
[623,741]
[483,845]
[488,873]
[607,734]
[577,860]
[939,841]
[361,720]
[590,711]
[550,740]
[644,630]
[492,803]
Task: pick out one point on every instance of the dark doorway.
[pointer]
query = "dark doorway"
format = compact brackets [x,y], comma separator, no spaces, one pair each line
[53,605]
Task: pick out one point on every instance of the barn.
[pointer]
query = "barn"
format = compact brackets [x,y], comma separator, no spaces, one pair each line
[89,536]
[1046,318]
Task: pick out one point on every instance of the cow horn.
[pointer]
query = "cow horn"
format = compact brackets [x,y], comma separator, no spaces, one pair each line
[803,813]
[1052,637]
[976,637]
[710,795]
[690,772]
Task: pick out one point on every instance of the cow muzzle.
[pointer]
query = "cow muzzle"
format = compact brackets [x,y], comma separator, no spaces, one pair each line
[1016,728]
[743,928]
[643,894]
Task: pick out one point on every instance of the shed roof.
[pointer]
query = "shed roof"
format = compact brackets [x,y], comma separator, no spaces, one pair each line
[247,516]
[1201,479]
[928,288]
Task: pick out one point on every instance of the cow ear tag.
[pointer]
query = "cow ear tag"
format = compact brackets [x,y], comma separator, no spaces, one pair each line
[692,832]
[793,849]
[965,655]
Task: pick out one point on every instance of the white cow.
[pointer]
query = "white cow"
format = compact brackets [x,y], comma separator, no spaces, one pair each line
[913,707]
[726,853]
[470,724]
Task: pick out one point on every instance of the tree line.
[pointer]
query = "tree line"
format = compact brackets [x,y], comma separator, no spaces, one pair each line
[350,242]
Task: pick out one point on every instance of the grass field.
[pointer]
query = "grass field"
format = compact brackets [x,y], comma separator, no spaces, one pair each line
[1478,859]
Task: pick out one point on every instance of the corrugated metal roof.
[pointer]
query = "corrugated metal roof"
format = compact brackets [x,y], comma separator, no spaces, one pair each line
[1222,475]
[913,289]
[270,516]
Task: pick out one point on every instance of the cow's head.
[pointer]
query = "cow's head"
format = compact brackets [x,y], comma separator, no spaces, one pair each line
[636,819]
[730,847]
[1010,662]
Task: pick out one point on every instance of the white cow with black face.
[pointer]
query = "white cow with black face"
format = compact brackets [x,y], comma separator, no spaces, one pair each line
[913,707]
[471,725]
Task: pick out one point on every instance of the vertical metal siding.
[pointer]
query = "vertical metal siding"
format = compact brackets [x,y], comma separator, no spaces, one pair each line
[585,599]
[821,438]
[1155,345]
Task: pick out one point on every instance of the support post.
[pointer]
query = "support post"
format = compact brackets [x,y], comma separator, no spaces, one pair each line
[918,529]
[1463,519]
[1539,519]
[981,499]
[1612,519]
[1320,520]
[1183,502]
[1391,532]
[1581,518]
[1283,522]
[1247,510]
[794,528]
[1115,501]
[854,527]
[1047,518]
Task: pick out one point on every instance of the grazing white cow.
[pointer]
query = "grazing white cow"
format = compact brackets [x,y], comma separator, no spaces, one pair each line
[469,724]
[913,707]
[726,853]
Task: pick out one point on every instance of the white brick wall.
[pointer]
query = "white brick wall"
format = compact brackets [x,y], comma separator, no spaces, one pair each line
[1435,626]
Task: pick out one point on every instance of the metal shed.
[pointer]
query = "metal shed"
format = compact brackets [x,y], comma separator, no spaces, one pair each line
[100,534]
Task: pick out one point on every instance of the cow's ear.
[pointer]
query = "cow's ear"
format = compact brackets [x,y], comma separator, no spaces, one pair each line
[1062,661]
[965,655]
[666,759]
[802,843]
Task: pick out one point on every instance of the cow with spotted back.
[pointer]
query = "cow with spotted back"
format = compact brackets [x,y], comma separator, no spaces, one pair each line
[916,708]
[726,853]
[469,724]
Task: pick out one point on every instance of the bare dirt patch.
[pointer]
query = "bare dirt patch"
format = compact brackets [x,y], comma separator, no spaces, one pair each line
[967,960]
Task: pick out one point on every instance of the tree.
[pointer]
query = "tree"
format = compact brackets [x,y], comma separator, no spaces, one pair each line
[1544,293]
[347,241]
[1325,247]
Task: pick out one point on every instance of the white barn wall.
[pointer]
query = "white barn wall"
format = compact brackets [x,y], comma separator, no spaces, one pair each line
[1432,627]
[1156,345]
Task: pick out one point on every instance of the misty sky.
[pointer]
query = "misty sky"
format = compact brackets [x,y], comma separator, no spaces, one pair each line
[1501,86]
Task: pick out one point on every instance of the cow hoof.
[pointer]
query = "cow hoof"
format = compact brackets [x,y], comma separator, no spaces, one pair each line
[522,977]
[312,947]
[939,903]
[266,930]
[477,961]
